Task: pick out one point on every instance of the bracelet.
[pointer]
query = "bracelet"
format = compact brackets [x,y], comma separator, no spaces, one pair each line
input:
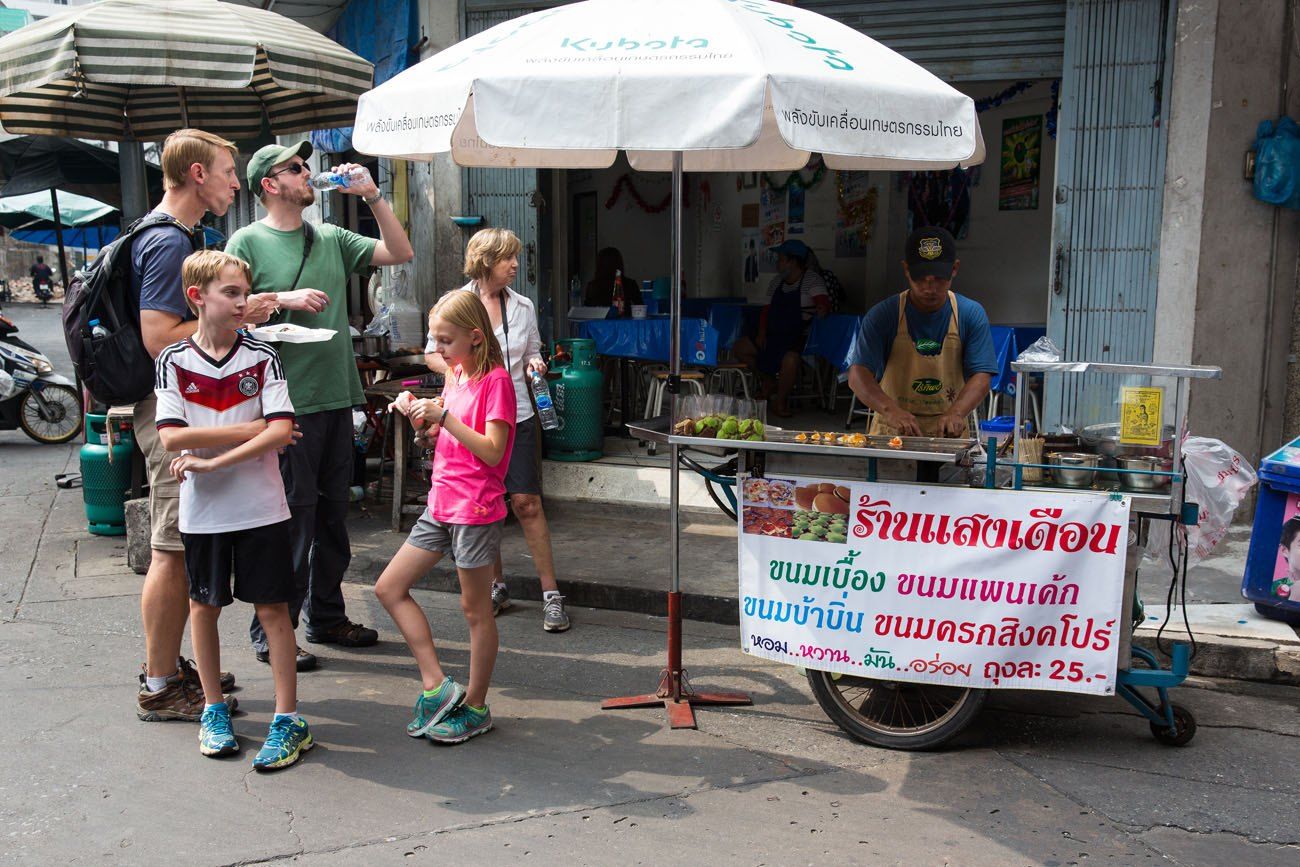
[442,418]
[371,200]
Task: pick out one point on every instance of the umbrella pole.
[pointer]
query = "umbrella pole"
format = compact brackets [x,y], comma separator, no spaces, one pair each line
[675,692]
[58,236]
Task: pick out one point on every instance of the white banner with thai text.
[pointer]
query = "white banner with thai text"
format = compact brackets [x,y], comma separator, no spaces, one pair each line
[959,586]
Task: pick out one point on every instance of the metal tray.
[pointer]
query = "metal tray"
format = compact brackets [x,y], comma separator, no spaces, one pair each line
[932,449]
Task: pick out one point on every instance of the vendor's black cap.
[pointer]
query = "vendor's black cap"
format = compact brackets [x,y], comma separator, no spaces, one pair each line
[930,252]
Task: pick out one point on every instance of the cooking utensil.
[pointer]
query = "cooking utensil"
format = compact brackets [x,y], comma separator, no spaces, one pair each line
[1074,469]
[1135,482]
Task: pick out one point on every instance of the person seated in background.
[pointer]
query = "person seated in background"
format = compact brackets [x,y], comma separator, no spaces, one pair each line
[798,294]
[600,290]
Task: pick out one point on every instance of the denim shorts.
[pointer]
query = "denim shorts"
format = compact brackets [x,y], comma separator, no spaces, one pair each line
[470,545]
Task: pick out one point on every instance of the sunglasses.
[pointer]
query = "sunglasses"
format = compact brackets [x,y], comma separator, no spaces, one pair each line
[295,169]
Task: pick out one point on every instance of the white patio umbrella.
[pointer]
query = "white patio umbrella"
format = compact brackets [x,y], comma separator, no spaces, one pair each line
[686,85]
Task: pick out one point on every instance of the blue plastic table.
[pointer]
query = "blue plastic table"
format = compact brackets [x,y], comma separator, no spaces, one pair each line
[647,339]
[831,337]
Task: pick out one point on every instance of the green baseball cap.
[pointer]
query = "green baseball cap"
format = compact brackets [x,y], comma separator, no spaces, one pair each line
[267,158]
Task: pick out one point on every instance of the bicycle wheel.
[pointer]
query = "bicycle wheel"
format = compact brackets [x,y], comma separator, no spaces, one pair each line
[896,715]
[58,421]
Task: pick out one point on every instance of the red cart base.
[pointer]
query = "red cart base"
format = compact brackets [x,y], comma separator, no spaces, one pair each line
[677,697]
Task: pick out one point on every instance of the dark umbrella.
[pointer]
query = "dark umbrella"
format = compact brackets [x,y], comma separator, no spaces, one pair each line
[33,163]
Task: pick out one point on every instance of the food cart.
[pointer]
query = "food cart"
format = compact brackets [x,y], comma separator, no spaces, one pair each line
[1024,578]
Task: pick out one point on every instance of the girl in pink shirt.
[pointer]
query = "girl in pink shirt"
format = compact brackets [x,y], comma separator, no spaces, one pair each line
[473,426]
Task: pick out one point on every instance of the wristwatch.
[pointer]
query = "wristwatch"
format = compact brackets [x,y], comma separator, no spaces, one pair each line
[370,200]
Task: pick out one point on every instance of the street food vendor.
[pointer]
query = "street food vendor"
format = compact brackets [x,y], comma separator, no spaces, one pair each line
[924,359]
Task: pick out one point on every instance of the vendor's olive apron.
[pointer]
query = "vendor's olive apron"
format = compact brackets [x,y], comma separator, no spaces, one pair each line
[924,385]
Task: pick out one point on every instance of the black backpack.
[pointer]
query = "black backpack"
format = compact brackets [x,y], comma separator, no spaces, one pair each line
[114,367]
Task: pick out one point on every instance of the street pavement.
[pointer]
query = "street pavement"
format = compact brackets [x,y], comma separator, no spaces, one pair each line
[1040,778]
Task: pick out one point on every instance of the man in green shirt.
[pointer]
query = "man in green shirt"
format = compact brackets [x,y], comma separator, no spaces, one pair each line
[290,257]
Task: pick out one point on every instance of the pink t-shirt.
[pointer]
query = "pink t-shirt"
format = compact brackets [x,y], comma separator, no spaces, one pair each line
[465,490]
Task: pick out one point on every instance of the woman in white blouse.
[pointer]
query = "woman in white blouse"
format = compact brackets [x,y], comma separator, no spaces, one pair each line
[491,263]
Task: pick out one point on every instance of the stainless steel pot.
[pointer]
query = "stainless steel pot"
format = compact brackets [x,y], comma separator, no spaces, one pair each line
[1135,482]
[1104,440]
[1073,469]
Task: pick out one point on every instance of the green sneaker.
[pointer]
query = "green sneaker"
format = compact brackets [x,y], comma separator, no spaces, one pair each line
[216,735]
[431,711]
[285,743]
[461,724]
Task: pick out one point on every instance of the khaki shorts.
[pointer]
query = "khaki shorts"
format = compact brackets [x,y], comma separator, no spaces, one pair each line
[164,490]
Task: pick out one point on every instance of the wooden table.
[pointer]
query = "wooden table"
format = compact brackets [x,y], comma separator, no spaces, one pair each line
[402,434]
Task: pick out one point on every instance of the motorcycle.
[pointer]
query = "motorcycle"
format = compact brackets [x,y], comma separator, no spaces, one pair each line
[46,406]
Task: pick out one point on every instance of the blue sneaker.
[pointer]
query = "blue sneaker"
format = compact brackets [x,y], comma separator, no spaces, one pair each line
[461,724]
[285,743]
[216,734]
[431,710]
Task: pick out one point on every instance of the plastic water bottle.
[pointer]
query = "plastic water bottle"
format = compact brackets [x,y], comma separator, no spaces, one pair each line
[97,330]
[336,180]
[545,408]
[575,292]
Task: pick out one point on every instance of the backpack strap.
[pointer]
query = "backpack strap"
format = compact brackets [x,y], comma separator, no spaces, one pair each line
[308,237]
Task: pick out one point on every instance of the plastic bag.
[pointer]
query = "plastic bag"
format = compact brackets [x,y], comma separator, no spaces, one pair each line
[1277,163]
[1042,350]
[8,388]
[1218,479]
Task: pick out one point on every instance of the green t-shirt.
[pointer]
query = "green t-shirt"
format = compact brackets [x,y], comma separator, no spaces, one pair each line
[321,376]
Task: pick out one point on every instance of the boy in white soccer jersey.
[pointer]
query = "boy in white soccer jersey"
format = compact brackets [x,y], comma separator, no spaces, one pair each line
[223,402]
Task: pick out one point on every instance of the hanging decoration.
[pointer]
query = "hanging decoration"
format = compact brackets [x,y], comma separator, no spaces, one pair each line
[625,182]
[796,178]
[1056,107]
[939,198]
[1005,96]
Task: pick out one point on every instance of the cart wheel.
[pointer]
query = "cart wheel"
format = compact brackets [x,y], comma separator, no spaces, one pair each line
[1183,731]
[895,715]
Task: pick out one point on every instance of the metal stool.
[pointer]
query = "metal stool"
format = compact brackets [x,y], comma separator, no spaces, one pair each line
[727,374]
[692,379]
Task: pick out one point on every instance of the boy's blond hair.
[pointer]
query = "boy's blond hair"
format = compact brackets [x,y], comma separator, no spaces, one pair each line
[465,309]
[205,266]
[184,148]
[487,248]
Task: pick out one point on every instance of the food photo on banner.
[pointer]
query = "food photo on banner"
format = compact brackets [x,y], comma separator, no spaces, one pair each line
[985,589]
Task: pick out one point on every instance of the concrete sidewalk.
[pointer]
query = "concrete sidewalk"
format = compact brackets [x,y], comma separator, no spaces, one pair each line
[616,557]
[1038,779]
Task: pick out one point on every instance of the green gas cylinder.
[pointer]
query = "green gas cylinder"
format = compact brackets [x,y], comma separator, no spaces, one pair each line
[105,476]
[577,389]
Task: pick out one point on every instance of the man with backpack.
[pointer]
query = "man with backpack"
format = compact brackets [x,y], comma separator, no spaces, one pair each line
[199,176]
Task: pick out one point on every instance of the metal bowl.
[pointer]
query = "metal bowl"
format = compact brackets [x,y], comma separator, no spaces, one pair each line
[1073,469]
[1135,482]
[1104,440]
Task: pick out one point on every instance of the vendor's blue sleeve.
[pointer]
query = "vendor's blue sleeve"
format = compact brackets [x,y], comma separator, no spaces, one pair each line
[875,337]
[978,353]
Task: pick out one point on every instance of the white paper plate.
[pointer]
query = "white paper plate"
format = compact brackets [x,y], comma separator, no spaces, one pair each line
[297,335]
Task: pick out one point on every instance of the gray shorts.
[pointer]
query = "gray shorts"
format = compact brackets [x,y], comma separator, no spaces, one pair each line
[470,545]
